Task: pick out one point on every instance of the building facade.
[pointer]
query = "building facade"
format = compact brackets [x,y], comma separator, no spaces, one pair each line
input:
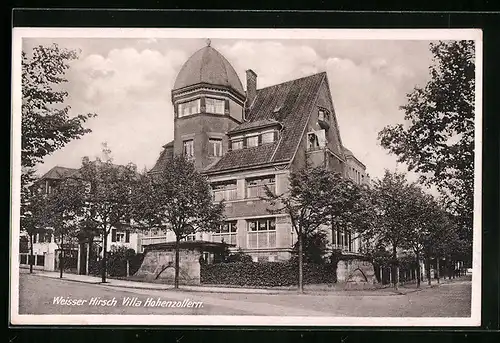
[245,141]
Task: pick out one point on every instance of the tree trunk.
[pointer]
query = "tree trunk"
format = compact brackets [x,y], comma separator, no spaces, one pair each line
[61,258]
[417,259]
[395,274]
[176,278]
[104,257]
[428,270]
[301,261]
[31,257]
[437,269]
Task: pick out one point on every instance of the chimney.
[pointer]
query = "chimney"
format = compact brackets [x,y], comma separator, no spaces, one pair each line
[251,87]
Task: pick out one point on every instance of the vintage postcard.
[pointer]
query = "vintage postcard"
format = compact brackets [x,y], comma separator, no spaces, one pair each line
[271,177]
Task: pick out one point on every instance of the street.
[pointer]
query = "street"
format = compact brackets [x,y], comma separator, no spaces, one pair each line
[42,295]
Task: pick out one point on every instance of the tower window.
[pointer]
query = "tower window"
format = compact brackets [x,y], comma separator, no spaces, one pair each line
[214,106]
[189,108]
[215,147]
[188,149]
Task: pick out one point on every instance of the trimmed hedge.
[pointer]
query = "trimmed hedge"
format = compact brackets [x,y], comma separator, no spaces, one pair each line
[267,274]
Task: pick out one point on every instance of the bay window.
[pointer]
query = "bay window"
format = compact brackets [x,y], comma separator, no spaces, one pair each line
[189,108]
[214,106]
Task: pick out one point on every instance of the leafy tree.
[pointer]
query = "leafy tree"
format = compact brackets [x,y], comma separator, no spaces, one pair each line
[420,224]
[391,203]
[314,248]
[108,189]
[305,203]
[349,207]
[65,206]
[437,139]
[178,198]
[46,124]
[34,215]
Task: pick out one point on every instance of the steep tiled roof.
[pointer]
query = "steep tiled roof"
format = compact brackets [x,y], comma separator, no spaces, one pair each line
[249,125]
[246,157]
[165,156]
[58,172]
[289,103]
[347,152]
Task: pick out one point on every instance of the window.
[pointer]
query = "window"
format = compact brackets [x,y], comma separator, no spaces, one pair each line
[262,233]
[237,144]
[214,106]
[268,137]
[316,140]
[226,233]
[256,187]
[188,148]
[323,115]
[189,108]
[215,147]
[225,190]
[252,141]
[120,236]
[190,237]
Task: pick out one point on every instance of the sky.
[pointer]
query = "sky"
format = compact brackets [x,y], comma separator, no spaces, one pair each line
[127,83]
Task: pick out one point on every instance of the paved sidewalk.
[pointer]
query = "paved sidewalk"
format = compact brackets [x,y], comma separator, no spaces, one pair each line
[146,285]
[311,289]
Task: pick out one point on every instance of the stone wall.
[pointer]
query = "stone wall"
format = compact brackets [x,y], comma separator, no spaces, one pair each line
[160,265]
[356,271]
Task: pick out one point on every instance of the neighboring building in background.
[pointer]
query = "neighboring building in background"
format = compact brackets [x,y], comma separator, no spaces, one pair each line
[47,246]
[355,169]
[245,141]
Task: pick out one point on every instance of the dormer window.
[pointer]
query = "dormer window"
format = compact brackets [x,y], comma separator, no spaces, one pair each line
[316,140]
[237,144]
[324,118]
[323,115]
[189,108]
[252,141]
[268,137]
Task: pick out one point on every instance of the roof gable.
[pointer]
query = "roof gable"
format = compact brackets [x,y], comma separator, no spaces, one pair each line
[57,173]
[289,103]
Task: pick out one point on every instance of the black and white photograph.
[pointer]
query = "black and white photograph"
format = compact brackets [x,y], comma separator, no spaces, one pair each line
[246,177]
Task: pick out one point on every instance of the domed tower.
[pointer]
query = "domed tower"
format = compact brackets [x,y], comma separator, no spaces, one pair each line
[208,100]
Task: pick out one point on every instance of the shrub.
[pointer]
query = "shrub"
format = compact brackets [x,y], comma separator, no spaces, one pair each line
[239,256]
[117,261]
[265,274]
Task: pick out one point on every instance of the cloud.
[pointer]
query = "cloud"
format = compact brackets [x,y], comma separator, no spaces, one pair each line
[128,85]
[130,92]
[274,62]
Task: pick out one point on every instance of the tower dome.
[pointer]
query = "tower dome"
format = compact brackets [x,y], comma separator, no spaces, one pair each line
[208,66]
